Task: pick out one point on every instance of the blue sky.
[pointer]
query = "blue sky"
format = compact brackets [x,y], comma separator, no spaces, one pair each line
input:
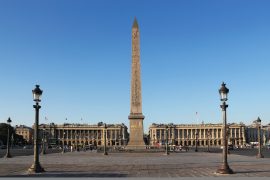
[80,54]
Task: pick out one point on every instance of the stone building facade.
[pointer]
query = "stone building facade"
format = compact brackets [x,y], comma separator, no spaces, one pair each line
[252,134]
[185,134]
[84,134]
[26,132]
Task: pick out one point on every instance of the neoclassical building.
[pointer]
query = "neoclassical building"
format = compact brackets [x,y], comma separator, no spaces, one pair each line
[185,134]
[26,132]
[252,133]
[84,134]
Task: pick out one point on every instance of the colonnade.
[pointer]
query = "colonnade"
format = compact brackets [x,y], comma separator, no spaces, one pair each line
[186,134]
[116,135]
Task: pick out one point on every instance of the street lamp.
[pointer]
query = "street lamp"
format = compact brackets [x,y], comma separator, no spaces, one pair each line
[208,144]
[224,169]
[166,152]
[43,140]
[8,149]
[36,167]
[196,141]
[258,123]
[105,137]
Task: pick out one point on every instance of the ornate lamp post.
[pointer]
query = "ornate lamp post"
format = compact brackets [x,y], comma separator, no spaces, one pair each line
[8,147]
[224,169]
[36,167]
[166,152]
[105,139]
[12,141]
[43,140]
[196,141]
[208,144]
[258,123]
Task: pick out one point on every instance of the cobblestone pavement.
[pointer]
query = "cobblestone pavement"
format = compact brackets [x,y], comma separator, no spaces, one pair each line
[90,164]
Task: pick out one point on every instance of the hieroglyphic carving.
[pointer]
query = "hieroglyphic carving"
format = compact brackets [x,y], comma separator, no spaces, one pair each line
[136,105]
[136,117]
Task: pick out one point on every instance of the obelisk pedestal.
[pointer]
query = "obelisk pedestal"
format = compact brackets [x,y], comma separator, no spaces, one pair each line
[136,132]
[136,117]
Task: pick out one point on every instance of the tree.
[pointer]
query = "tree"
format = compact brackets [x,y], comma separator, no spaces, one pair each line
[17,139]
[4,131]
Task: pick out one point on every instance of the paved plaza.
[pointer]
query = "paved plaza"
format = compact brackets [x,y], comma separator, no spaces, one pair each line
[92,164]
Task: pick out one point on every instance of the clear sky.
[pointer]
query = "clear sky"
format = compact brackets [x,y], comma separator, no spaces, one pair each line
[80,54]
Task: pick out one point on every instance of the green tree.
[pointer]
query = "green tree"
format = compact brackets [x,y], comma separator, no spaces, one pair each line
[4,131]
[17,139]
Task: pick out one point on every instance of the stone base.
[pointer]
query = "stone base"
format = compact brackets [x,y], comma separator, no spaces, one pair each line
[136,140]
[224,169]
[259,156]
[8,156]
[35,168]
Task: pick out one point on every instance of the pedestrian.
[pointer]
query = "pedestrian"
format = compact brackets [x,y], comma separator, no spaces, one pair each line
[71,148]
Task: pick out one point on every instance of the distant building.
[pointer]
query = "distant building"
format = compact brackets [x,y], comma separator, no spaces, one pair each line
[252,133]
[185,134]
[84,134]
[26,132]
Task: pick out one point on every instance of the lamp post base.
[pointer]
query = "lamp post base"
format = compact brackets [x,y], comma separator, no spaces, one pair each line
[8,156]
[259,156]
[105,154]
[224,169]
[36,168]
[196,150]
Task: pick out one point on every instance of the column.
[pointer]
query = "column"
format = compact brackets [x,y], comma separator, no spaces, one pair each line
[103,136]
[239,136]
[204,137]
[116,136]
[111,136]
[235,137]
[243,135]
[183,136]
[59,135]
[71,136]
[88,136]
[213,135]
[173,136]
[221,133]
[151,136]
[67,136]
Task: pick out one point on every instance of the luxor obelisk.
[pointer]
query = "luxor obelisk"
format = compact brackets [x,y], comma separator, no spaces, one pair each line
[136,117]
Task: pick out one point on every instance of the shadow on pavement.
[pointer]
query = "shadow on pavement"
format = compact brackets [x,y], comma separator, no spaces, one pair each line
[70,174]
[243,172]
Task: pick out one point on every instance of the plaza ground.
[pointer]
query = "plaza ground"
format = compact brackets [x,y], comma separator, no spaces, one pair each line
[181,164]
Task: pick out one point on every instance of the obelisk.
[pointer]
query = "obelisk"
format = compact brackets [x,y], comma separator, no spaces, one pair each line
[136,117]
